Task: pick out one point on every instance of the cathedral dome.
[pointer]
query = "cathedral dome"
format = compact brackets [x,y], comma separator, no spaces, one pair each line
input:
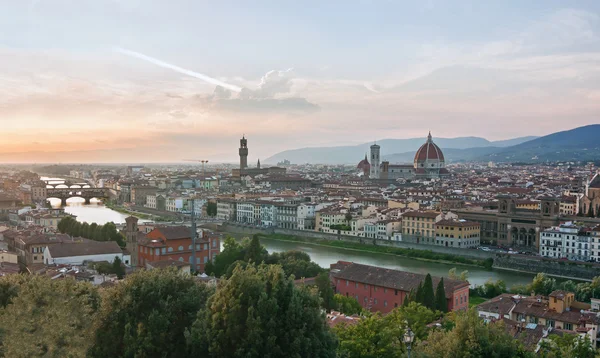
[429,155]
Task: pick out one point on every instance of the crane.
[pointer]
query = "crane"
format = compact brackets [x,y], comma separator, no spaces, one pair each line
[203,161]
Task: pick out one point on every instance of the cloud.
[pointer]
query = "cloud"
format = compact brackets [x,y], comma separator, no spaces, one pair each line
[184,71]
[271,95]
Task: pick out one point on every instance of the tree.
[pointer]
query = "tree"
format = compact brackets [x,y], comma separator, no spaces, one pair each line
[147,314]
[118,268]
[347,305]
[567,345]
[471,337]
[381,336]
[441,303]
[48,318]
[232,252]
[419,294]
[428,294]
[542,284]
[255,252]
[348,218]
[259,312]
[211,208]
[590,212]
[325,291]
[85,230]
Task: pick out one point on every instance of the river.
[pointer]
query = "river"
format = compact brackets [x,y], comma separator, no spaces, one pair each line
[324,256]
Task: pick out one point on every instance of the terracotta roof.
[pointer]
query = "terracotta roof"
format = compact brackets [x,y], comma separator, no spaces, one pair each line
[84,249]
[394,279]
[429,151]
[421,214]
[175,232]
[456,223]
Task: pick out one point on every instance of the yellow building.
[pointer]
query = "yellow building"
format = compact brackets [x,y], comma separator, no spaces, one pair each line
[325,218]
[527,204]
[457,233]
[419,225]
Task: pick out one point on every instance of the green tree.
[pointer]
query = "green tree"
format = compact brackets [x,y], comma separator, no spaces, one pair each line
[259,312]
[85,230]
[471,337]
[381,336]
[590,212]
[428,294]
[441,303]
[542,284]
[325,291]
[232,252]
[347,305]
[348,218]
[566,346]
[48,318]
[118,268]
[147,314]
[255,252]
[419,294]
[211,208]
[92,231]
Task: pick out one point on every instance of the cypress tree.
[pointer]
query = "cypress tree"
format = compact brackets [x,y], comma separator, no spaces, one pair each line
[428,294]
[419,293]
[441,304]
[408,298]
[590,211]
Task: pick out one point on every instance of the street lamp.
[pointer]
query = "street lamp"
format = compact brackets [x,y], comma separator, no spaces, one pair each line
[409,337]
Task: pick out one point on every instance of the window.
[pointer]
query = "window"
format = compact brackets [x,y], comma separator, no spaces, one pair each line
[385,290]
[214,243]
[396,293]
[395,305]
[189,247]
[366,286]
[375,288]
[384,303]
[355,284]
[157,252]
[205,259]
[568,326]
[170,249]
[163,250]
[180,248]
[346,282]
[375,301]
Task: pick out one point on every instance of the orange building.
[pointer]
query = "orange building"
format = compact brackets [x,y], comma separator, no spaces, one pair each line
[175,243]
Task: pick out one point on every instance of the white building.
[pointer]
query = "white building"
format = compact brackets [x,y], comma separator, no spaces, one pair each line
[567,241]
[375,162]
[306,215]
[77,254]
[226,210]
[174,204]
[268,214]
[245,212]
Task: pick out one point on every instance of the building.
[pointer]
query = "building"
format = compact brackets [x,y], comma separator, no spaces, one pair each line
[380,289]
[287,215]
[420,226]
[226,209]
[30,246]
[84,251]
[132,233]
[457,233]
[557,311]
[175,243]
[183,267]
[244,171]
[375,164]
[139,194]
[364,167]
[429,161]
[568,241]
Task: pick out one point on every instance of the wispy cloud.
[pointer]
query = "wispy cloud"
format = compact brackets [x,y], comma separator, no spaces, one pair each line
[184,71]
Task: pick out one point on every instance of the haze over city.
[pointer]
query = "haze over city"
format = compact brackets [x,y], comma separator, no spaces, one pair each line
[157,81]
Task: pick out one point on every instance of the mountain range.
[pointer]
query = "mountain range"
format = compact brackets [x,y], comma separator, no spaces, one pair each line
[579,144]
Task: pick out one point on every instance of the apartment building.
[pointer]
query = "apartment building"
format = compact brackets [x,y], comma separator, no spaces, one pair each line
[569,241]
[457,233]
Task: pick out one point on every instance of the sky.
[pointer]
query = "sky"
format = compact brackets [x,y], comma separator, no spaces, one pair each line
[162,81]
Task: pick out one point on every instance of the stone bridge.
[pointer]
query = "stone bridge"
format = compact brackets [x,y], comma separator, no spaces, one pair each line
[86,193]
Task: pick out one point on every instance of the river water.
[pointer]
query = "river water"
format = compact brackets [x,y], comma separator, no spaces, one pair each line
[324,256]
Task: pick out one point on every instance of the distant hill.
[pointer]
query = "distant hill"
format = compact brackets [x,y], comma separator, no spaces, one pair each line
[579,144]
[353,154]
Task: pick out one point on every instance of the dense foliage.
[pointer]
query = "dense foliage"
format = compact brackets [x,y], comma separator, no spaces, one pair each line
[295,263]
[211,208]
[107,232]
[258,312]
[46,318]
[381,336]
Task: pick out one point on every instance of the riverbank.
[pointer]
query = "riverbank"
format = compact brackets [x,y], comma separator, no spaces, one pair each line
[422,255]
[138,215]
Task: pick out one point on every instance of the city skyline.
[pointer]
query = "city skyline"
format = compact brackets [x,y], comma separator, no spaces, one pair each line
[112,81]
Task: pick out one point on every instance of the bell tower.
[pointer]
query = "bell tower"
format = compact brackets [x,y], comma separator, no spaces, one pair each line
[243,153]
[131,233]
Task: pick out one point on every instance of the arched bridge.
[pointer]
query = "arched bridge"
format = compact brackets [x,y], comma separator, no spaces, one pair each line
[87,193]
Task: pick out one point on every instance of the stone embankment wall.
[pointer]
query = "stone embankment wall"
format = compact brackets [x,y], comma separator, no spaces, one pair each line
[247,230]
[578,271]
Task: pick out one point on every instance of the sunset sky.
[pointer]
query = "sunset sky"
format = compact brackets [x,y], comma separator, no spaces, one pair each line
[157,81]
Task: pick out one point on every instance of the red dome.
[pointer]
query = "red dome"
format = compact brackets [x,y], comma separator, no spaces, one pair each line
[429,151]
[364,164]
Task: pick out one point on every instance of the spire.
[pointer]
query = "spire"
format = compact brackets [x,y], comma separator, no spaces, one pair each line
[429,140]
[258,164]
